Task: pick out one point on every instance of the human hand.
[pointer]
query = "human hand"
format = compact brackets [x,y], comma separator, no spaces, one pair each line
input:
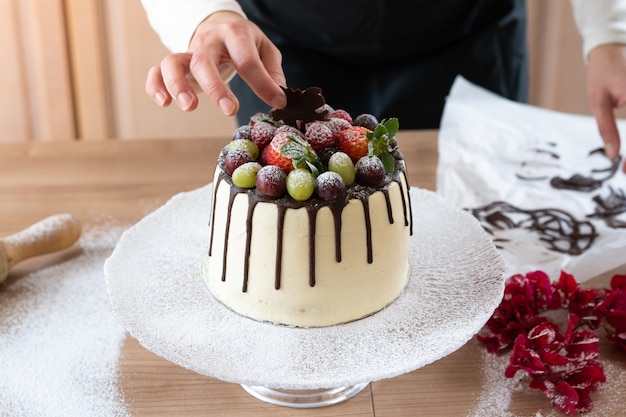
[606,89]
[222,42]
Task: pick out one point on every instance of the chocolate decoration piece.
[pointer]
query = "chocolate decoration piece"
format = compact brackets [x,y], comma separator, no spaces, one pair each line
[302,107]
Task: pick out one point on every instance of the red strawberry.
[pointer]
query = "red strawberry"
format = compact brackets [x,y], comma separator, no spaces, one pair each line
[319,136]
[270,155]
[353,142]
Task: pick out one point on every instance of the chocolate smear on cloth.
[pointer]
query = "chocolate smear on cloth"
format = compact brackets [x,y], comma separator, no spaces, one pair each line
[610,207]
[497,155]
[303,106]
[578,182]
[561,231]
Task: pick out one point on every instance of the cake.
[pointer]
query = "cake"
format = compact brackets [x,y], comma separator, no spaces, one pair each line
[310,216]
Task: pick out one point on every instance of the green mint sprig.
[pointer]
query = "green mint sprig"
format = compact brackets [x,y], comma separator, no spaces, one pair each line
[382,142]
[302,155]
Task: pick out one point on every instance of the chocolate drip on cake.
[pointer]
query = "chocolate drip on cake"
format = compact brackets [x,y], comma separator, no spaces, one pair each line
[312,214]
[408,211]
[368,229]
[312,207]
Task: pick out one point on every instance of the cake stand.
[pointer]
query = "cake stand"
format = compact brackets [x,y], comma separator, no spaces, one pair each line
[156,291]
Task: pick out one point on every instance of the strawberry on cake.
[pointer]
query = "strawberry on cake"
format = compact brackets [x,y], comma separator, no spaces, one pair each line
[311,216]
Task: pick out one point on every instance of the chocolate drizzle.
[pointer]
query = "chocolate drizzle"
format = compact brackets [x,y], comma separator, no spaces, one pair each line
[312,207]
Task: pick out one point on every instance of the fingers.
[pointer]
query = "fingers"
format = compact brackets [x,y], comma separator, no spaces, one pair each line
[155,88]
[226,42]
[171,81]
[206,69]
[244,47]
[603,111]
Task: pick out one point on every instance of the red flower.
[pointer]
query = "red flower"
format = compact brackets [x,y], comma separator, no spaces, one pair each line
[564,368]
[613,309]
[579,301]
[517,312]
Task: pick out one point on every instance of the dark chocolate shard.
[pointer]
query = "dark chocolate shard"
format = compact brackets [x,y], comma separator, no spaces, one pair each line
[303,106]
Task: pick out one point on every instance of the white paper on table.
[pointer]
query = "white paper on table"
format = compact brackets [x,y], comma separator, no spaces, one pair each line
[486,142]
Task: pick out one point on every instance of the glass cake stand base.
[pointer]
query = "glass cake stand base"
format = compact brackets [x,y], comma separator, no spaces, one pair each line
[307,398]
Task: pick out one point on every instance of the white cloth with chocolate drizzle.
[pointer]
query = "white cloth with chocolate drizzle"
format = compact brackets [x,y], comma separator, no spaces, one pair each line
[538,180]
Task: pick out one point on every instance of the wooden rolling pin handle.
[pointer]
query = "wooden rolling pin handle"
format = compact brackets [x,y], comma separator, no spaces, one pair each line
[46,236]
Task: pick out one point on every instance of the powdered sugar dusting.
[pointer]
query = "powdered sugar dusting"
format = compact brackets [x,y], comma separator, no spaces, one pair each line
[59,343]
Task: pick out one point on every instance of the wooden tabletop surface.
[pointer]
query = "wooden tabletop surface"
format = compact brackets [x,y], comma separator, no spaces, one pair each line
[122,181]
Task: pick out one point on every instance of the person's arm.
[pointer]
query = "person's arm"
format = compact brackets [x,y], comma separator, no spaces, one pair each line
[176,21]
[602,25]
[210,39]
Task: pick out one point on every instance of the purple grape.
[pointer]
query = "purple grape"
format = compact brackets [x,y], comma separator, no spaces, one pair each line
[271,181]
[370,171]
[262,134]
[243,132]
[235,159]
[329,186]
[366,120]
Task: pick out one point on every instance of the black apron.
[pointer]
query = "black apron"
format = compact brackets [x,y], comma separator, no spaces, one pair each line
[393,58]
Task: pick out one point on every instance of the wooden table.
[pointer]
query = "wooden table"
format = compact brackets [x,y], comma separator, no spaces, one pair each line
[125,180]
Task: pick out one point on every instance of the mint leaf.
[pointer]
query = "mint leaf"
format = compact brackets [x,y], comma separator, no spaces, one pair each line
[389,162]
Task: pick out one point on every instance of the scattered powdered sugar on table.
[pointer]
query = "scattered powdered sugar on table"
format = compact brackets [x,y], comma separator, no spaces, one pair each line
[59,343]
[498,391]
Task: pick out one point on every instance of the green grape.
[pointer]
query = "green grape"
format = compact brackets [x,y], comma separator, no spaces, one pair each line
[245,175]
[300,184]
[246,145]
[341,163]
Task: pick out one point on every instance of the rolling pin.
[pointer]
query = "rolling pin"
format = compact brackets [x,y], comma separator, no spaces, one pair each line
[49,235]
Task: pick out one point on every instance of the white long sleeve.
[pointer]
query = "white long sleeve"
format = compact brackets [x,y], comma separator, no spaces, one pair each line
[176,21]
[600,22]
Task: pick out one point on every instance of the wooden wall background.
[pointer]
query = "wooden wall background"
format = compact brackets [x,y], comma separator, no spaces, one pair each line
[75,69]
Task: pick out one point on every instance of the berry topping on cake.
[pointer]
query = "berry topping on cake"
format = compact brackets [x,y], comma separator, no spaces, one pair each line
[262,133]
[244,144]
[353,141]
[368,121]
[271,181]
[342,164]
[329,186]
[271,154]
[245,175]
[300,184]
[340,114]
[319,136]
[369,171]
[235,158]
[243,132]
[330,152]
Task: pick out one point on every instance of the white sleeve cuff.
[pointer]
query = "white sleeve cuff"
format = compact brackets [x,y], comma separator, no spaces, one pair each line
[600,22]
[176,21]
